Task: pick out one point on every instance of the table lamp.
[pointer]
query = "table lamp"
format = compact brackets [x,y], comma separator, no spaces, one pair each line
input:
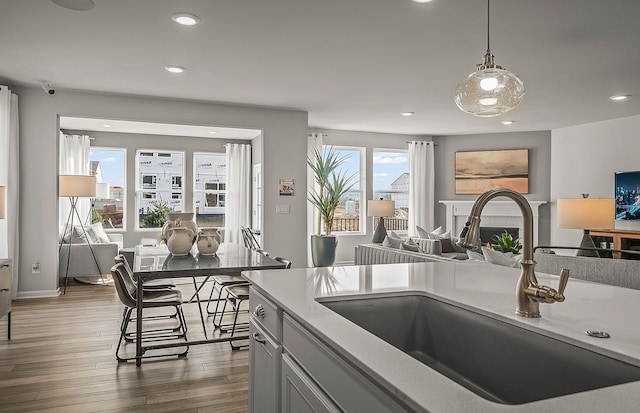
[380,208]
[586,213]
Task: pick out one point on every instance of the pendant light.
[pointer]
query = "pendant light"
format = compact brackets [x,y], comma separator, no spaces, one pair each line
[489,90]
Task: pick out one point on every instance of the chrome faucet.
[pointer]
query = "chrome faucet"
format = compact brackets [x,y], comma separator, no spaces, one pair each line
[529,293]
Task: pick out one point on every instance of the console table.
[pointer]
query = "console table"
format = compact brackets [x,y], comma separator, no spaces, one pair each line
[6,279]
[619,238]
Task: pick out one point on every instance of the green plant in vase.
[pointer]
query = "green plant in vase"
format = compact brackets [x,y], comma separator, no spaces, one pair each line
[506,243]
[332,185]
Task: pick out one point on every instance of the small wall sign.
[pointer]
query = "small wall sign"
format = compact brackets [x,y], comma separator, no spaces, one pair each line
[287,187]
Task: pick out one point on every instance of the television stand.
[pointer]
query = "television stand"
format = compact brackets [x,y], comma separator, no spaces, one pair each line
[618,239]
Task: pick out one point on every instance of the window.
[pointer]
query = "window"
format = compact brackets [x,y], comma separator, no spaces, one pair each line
[209,188]
[391,181]
[108,165]
[158,186]
[347,215]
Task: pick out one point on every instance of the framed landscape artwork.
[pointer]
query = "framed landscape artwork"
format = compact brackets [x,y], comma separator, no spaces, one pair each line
[478,172]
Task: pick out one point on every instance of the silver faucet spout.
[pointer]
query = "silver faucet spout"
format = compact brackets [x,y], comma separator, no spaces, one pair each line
[528,293]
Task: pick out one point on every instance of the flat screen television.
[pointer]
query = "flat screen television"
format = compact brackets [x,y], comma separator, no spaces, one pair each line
[627,195]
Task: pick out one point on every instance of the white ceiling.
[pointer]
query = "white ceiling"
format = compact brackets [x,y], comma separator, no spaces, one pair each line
[352,64]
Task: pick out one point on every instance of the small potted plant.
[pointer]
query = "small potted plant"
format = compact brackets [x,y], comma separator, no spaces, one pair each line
[506,243]
[331,185]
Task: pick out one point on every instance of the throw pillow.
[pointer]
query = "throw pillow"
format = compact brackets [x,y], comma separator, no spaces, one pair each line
[447,246]
[410,245]
[423,233]
[78,235]
[500,258]
[438,231]
[474,256]
[98,230]
[391,242]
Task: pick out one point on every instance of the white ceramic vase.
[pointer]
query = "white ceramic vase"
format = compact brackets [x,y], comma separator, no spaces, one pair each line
[180,240]
[180,219]
[208,241]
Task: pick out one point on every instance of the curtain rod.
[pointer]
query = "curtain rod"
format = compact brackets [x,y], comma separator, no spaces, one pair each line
[427,142]
[323,134]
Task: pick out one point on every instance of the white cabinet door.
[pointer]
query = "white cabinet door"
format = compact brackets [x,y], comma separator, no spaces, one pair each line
[300,394]
[264,371]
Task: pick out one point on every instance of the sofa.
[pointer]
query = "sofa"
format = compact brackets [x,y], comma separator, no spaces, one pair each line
[81,262]
[621,273]
[371,254]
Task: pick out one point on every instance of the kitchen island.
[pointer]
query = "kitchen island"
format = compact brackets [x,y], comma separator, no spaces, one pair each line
[341,362]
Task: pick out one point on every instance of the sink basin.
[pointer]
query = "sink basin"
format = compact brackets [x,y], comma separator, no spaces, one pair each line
[496,360]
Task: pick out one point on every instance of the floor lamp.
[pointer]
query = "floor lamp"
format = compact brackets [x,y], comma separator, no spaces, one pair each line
[380,208]
[75,187]
[586,213]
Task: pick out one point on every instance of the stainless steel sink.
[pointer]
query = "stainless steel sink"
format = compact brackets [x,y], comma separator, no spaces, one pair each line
[498,361]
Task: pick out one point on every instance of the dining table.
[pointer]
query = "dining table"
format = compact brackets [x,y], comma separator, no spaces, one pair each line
[156,262]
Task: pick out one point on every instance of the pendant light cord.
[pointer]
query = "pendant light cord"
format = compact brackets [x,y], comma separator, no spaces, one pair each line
[488,16]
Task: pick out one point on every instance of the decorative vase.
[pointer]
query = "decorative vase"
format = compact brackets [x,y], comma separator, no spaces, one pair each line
[180,240]
[179,219]
[208,241]
[323,250]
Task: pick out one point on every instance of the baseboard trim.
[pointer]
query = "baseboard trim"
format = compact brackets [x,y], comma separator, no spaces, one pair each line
[38,294]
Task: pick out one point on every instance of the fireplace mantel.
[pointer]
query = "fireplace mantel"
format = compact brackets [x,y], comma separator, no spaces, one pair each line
[495,213]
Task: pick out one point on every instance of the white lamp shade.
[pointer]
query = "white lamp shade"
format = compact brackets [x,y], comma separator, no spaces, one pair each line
[1,202]
[102,190]
[381,208]
[586,213]
[77,185]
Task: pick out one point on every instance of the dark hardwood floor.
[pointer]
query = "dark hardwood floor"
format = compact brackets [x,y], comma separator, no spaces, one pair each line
[61,359]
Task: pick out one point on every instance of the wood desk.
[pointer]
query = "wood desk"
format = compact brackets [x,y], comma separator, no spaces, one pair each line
[230,259]
[6,279]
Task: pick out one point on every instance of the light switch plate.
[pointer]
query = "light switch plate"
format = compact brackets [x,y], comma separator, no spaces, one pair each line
[282,209]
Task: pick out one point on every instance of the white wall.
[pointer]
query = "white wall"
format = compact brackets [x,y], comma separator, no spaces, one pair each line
[369,140]
[284,138]
[584,159]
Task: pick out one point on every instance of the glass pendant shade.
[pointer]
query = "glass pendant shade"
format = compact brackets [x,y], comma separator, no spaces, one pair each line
[489,91]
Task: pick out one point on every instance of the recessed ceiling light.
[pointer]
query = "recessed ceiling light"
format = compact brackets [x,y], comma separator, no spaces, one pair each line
[186,19]
[106,125]
[507,122]
[212,132]
[406,113]
[618,97]
[77,5]
[174,69]
[422,1]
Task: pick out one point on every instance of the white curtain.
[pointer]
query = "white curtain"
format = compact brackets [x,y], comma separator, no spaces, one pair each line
[238,199]
[9,178]
[74,159]
[314,142]
[421,186]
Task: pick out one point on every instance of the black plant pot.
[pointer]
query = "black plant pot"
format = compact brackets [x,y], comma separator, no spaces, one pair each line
[323,250]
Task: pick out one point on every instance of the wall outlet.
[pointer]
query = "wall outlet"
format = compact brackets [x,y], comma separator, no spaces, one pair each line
[35,268]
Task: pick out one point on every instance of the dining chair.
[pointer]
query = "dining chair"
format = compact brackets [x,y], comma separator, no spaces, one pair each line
[157,284]
[236,295]
[151,285]
[126,289]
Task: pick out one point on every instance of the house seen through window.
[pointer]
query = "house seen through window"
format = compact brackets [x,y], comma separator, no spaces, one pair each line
[391,182]
[209,188]
[109,205]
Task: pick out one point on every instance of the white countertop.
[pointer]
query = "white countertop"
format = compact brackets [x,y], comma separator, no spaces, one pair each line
[482,287]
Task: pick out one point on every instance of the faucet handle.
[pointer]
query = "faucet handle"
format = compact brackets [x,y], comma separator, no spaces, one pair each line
[564,279]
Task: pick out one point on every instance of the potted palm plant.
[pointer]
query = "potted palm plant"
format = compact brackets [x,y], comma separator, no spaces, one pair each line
[331,185]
